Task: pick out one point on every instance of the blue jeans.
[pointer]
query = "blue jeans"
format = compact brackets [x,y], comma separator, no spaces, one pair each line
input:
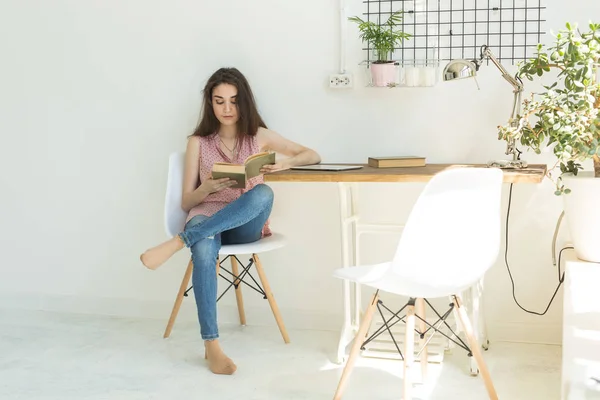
[241,221]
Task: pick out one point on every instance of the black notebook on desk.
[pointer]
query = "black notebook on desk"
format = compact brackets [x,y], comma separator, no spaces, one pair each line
[326,167]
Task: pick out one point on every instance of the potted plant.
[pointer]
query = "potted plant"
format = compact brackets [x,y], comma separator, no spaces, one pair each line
[383,38]
[565,116]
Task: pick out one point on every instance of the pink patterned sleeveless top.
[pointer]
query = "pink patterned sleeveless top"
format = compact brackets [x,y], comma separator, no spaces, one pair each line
[210,153]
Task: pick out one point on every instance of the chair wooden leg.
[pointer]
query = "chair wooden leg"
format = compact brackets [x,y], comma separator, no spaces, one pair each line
[238,291]
[422,327]
[358,341]
[179,299]
[409,352]
[475,349]
[270,298]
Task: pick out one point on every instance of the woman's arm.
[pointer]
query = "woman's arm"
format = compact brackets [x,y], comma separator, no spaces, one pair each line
[298,154]
[193,194]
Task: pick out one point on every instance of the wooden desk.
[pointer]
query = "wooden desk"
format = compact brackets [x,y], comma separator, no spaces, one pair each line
[352,228]
[532,174]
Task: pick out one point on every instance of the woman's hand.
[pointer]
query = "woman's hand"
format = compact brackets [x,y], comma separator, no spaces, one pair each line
[279,166]
[216,185]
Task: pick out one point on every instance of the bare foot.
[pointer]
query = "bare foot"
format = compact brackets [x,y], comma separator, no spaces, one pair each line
[156,256]
[218,362]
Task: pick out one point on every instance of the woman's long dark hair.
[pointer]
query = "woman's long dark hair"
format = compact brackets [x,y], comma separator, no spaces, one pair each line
[248,118]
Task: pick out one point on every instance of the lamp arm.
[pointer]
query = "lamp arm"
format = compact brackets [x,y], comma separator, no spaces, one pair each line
[517,84]
[486,52]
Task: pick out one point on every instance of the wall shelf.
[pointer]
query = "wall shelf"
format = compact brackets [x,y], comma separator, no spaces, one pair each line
[425,73]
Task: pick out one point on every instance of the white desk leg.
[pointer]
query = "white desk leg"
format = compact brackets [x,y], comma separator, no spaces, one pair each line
[356,255]
[483,335]
[478,321]
[347,218]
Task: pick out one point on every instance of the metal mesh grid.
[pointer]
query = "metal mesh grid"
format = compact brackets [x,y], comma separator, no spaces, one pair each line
[451,29]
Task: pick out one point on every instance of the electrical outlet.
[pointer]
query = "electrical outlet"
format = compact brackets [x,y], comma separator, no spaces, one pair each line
[340,81]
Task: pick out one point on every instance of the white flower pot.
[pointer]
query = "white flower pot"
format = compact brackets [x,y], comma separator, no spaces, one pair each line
[582,210]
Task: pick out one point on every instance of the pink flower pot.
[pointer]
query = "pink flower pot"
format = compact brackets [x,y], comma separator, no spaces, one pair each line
[383,74]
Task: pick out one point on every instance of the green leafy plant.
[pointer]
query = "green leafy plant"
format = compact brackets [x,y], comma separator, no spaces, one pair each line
[382,37]
[565,115]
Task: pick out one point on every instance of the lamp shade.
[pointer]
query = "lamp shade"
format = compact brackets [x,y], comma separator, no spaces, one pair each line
[459,69]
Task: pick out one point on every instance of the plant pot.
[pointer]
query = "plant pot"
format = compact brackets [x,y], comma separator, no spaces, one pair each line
[382,74]
[583,214]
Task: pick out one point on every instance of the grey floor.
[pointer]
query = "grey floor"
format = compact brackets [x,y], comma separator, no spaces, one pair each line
[59,356]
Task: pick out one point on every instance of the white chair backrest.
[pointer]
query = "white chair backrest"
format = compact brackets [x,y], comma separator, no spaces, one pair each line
[174,215]
[452,235]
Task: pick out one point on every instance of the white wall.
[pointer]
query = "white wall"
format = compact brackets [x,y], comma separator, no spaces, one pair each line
[95,95]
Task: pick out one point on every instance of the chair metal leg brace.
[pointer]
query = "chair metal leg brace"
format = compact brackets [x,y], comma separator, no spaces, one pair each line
[237,278]
[396,318]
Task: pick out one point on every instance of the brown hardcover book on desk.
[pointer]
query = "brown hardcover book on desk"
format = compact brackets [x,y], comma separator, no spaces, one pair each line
[395,162]
[242,172]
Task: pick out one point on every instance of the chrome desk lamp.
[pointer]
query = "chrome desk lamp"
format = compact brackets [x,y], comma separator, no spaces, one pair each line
[460,69]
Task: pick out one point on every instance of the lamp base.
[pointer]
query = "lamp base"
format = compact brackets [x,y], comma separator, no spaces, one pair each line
[507,164]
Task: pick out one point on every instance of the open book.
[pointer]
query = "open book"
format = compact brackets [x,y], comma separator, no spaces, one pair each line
[242,172]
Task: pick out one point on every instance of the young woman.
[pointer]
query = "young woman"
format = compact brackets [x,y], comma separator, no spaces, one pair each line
[230,130]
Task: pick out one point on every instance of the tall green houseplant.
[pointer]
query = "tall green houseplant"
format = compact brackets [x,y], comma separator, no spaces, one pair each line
[566,114]
[382,37]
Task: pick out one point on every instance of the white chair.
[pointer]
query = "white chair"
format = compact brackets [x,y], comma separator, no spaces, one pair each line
[174,223]
[451,238]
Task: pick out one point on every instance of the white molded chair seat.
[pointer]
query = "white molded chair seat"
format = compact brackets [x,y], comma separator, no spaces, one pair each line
[382,277]
[451,238]
[269,243]
[175,218]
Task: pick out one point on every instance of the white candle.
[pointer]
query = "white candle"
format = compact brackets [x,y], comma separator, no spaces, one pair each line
[412,76]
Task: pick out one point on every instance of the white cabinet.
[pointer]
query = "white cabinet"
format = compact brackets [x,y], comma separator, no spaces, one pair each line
[581,329]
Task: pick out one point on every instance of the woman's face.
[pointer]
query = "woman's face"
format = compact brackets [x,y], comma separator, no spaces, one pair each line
[224,98]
